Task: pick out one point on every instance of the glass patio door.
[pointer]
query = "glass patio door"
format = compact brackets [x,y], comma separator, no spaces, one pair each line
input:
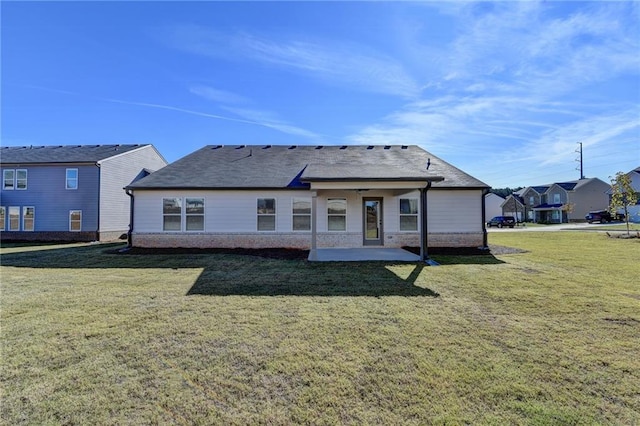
[372,221]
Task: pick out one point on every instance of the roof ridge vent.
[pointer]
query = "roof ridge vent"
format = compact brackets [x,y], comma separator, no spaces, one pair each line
[387,147]
[370,147]
[404,147]
[293,147]
[343,147]
[217,147]
[266,147]
[319,147]
[241,146]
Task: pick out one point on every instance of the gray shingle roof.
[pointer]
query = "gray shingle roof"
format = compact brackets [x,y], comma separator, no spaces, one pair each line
[283,166]
[61,153]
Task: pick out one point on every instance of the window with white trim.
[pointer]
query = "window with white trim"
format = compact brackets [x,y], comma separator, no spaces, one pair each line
[337,214]
[531,200]
[3,218]
[556,199]
[21,179]
[194,214]
[75,220]
[266,212]
[171,214]
[408,214]
[28,218]
[8,180]
[301,210]
[71,180]
[14,218]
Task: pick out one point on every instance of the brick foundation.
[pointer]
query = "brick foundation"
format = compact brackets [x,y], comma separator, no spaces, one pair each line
[297,240]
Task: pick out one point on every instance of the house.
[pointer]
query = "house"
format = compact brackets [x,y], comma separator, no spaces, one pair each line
[559,202]
[633,211]
[308,197]
[70,193]
[492,205]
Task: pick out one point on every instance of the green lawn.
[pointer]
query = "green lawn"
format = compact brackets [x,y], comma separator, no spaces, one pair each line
[549,336]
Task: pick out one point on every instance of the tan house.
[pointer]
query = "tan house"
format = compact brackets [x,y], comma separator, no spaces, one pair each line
[559,202]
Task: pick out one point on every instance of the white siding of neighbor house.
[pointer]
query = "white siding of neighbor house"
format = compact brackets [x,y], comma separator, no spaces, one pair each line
[117,172]
[454,211]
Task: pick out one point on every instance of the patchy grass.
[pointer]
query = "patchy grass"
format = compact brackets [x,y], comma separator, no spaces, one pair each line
[549,336]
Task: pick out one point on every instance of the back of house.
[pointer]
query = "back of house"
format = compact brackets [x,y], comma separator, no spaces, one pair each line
[306,197]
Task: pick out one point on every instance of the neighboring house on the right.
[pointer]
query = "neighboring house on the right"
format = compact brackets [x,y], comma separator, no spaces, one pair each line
[558,202]
[634,211]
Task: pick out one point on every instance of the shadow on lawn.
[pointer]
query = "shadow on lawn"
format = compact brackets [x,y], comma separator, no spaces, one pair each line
[300,278]
[226,274]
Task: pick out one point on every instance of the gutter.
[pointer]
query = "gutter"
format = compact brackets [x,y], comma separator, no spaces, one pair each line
[129,192]
[424,240]
[485,241]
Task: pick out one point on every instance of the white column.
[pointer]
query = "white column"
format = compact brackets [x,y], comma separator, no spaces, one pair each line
[313,253]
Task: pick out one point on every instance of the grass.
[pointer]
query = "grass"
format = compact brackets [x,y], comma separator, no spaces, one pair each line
[549,336]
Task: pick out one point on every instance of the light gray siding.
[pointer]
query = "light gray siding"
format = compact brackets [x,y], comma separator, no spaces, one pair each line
[456,211]
[231,219]
[589,196]
[117,172]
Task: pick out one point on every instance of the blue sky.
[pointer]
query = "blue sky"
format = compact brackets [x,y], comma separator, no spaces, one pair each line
[502,90]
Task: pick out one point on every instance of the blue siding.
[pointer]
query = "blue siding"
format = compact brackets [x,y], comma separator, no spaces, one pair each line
[52,201]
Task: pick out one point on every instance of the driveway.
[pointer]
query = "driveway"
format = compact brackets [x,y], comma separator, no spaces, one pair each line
[584,226]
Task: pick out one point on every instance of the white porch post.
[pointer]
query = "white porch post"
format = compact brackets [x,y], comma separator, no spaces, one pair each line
[313,253]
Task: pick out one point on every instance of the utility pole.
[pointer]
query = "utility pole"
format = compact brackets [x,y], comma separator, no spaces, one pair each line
[580,160]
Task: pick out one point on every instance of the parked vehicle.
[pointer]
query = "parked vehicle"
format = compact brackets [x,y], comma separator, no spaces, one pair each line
[602,216]
[501,221]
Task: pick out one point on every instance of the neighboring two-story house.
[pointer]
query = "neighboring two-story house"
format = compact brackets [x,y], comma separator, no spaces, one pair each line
[633,211]
[70,193]
[559,202]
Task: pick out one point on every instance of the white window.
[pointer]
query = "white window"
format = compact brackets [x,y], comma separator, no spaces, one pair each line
[301,214]
[555,215]
[171,214]
[75,220]
[556,199]
[194,212]
[14,218]
[408,214]
[266,211]
[21,179]
[337,214]
[8,180]
[71,179]
[3,218]
[28,218]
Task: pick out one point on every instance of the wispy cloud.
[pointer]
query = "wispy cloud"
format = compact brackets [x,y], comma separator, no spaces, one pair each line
[218,95]
[259,117]
[516,91]
[341,63]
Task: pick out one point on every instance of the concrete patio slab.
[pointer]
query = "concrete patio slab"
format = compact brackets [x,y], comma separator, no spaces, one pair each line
[361,254]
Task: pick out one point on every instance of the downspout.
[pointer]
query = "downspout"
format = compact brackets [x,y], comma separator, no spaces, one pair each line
[99,199]
[424,241]
[131,205]
[485,244]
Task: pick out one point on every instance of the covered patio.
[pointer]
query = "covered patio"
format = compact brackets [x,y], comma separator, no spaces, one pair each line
[363,254]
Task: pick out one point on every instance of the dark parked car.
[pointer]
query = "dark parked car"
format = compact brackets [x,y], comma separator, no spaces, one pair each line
[501,221]
[602,216]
